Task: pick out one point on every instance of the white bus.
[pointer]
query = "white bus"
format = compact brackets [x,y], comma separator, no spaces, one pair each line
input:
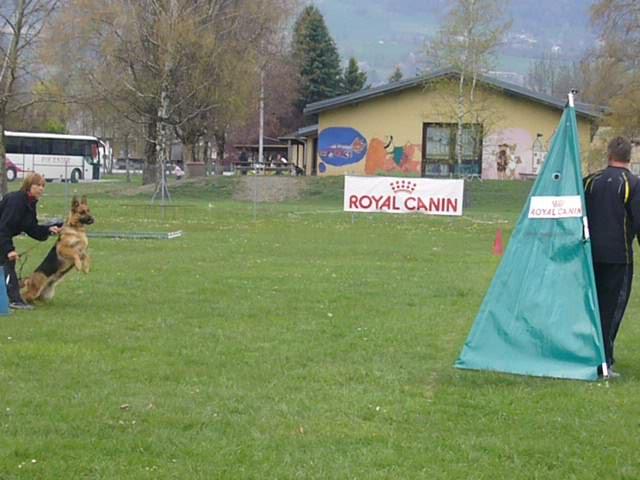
[56,157]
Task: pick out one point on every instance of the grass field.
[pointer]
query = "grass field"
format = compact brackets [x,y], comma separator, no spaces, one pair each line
[290,341]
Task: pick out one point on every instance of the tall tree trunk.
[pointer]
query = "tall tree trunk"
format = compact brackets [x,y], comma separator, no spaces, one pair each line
[126,156]
[150,171]
[3,156]
[162,140]
[221,141]
[468,66]
[460,118]
[8,71]
[110,155]
[205,155]
[188,151]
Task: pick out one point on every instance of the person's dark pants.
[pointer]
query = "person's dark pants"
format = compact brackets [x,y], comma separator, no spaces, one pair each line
[13,287]
[613,283]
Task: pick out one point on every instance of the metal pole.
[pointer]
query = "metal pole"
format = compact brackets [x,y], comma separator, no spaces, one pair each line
[261,139]
[66,182]
[126,156]
[260,145]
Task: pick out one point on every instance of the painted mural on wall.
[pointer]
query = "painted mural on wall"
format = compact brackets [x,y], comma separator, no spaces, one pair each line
[343,146]
[385,156]
[340,146]
[512,154]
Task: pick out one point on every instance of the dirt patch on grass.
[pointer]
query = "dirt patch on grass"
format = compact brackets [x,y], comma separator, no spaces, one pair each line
[269,188]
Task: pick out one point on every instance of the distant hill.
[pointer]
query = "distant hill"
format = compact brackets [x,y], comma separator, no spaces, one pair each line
[385,33]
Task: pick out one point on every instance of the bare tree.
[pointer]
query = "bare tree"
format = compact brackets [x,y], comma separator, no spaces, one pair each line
[553,76]
[230,86]
[467,42]
[618,23]
[543,74]
[21,23]
[164,63]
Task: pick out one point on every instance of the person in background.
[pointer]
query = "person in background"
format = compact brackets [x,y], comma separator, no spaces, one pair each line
[613,209]
[178,172]
[18,215]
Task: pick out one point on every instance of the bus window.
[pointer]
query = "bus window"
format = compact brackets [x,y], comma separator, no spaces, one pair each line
[27,145]
[43,146]
[12,144]
[77,147]
[59,147]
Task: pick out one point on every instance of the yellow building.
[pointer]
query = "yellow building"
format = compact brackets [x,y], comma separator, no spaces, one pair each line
[409,127]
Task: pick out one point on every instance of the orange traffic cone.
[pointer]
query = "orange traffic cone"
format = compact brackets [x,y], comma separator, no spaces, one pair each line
[498,246]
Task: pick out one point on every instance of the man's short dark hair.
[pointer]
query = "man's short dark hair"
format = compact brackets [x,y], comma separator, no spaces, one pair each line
[620,149]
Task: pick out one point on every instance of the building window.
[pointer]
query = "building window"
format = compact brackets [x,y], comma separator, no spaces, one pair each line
[439,150]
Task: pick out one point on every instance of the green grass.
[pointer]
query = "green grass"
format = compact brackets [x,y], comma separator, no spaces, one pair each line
[290,341]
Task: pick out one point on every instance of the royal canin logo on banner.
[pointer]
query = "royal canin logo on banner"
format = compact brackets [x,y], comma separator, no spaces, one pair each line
[566,206]
[381,194]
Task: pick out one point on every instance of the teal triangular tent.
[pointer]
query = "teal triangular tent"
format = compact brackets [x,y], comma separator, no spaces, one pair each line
[540,316]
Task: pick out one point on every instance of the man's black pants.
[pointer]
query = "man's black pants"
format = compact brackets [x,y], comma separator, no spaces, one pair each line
[613,282]
[13,285]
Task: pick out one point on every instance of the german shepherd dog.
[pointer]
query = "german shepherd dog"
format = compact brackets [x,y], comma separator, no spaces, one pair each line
[69,251]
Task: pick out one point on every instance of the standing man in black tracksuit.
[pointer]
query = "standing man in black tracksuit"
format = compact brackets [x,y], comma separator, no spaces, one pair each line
[18,215]
[613,208]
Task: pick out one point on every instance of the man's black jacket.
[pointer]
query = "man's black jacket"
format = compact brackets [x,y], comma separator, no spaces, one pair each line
[613,209]
[18,215]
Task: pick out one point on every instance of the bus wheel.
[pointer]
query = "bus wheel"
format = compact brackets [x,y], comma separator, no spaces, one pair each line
[11,174]
[76,176]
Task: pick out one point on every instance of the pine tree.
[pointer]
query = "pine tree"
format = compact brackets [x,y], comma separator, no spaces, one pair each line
[396,75]
[354,79]
[317,57]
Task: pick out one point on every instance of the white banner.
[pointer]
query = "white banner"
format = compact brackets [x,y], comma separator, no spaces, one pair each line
[403,195]
[566,206]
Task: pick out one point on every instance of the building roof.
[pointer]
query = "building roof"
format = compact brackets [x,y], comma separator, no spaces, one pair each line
[267,143]
[301,134]
[308,130]
[582,109]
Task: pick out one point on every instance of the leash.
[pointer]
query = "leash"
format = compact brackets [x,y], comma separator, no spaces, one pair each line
[23,256]
[23,260]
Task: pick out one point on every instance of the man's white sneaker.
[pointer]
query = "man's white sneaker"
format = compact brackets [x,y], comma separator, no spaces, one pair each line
[20,306]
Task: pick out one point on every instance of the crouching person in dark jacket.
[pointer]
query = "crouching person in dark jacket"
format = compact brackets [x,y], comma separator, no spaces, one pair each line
[18,215]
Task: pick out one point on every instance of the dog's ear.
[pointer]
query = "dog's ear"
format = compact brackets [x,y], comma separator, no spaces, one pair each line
[74,203]
[83,200]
